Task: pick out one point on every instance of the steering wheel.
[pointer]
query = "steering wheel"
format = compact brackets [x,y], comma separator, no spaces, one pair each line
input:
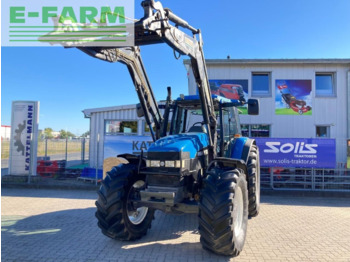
[194,127]
[202,123]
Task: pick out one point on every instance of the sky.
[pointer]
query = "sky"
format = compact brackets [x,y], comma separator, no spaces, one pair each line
[66,81]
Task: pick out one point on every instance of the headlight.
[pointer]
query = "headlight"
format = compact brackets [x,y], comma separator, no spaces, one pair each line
[155,163]
[167,163]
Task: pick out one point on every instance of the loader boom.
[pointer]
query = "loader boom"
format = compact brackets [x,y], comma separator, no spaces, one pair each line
[154,28]
[130,56]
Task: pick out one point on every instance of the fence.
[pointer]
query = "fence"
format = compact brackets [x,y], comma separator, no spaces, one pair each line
[76,150]
[305,179]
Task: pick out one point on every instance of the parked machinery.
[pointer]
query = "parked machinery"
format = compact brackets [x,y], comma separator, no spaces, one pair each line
[203,167]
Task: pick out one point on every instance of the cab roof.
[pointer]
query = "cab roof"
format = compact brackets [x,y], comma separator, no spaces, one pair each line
[216,99]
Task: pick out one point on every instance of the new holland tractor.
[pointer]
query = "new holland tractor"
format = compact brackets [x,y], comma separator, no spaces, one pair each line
[202,165]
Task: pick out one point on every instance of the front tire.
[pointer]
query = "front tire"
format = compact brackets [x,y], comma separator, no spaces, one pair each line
[117,218]
[223,212]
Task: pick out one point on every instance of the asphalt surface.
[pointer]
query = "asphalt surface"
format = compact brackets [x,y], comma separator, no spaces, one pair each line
[59,225]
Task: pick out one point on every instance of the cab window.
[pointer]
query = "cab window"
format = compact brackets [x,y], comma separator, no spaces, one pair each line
[230,123]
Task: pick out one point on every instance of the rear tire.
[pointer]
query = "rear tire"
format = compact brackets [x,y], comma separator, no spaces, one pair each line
[254,181]
[116,216]
[223,212]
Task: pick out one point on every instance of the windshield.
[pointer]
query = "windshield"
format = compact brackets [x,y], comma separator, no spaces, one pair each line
[185,118]
[188,119]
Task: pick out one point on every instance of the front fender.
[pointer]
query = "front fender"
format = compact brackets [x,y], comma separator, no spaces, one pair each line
[240,148]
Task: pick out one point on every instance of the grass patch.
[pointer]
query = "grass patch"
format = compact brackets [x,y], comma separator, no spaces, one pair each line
[54,147]
[5,149]
[244,110]
[288,111]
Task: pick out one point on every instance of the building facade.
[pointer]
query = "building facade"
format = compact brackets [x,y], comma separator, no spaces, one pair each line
[325,84]
[299,98]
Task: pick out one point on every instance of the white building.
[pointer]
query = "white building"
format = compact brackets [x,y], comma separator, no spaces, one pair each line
[326,100]
[5,132]
[106,122]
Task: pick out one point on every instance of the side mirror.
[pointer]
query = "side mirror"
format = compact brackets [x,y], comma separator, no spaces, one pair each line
[253,107]
[139,110]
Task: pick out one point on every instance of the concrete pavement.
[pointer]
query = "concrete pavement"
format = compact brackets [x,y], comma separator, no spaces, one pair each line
[59,225]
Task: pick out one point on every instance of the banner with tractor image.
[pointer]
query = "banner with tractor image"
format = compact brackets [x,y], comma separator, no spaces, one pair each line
[293,97]
[231,89]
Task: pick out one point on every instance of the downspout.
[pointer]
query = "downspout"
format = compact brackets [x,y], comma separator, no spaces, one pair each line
[348,104]
[90,147]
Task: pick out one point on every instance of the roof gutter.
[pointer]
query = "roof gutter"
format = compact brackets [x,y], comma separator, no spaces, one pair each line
[272,61]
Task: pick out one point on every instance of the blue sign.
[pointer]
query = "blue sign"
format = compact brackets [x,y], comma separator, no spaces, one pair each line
[297,152]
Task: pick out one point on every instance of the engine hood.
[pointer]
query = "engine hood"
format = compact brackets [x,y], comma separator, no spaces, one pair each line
[188,142]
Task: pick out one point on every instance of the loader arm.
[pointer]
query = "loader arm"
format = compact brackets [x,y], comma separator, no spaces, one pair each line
[131,57]
[155,28]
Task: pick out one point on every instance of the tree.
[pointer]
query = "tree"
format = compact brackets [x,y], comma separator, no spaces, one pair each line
[128,127]
[70,134]
[48,132]
[65,134]
[86,134]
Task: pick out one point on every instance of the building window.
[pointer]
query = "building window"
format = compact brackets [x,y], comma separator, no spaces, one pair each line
[146,128]
[255,130]
[322,131]
[245,130]
[114,127]
[325,84]
[147,131]
[260,131]
[261,84]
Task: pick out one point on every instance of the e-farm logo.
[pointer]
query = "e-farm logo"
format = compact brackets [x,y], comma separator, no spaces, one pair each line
[68,24]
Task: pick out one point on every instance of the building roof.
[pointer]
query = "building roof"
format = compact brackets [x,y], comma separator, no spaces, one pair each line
[274,61]
[88,112]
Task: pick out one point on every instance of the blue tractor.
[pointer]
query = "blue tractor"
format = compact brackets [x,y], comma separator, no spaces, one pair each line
[200,164]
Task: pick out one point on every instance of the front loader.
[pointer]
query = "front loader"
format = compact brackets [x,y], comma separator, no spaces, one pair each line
[202,165]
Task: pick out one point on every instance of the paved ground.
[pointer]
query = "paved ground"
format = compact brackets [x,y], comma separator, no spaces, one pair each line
[53,225]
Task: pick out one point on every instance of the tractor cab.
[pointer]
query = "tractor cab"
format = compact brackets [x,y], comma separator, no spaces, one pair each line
[188,119]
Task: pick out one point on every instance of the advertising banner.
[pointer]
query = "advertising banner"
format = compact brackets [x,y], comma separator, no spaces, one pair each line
[108,23]
[293,97]
[231,89]
[297,152]
[116,145]
[24,138]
